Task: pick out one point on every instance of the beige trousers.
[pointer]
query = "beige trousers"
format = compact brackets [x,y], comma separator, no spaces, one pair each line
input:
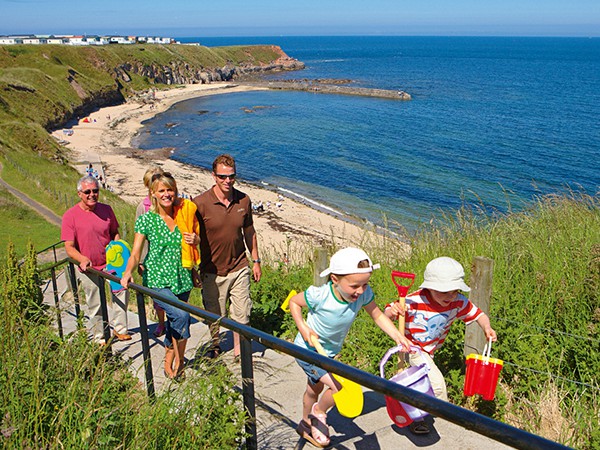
[235,287]
[91,285]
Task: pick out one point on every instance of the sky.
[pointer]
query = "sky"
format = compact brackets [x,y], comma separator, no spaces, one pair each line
[189,18]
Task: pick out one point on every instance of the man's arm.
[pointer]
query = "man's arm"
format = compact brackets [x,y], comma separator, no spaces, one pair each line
[72,252]
[252,245]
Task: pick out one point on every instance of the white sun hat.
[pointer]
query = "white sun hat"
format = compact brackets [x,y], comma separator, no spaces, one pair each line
[345,262]
[444,274]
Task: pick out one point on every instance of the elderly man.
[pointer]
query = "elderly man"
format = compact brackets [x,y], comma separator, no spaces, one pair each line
[86,229]
[226,230]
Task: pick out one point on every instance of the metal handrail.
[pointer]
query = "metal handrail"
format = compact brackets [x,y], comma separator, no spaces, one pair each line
[478,423]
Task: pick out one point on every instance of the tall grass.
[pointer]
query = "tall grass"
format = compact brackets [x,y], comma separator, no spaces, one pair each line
[545,308]
[72,394]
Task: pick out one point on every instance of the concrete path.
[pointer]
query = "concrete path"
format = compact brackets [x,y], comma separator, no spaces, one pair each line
[279,385]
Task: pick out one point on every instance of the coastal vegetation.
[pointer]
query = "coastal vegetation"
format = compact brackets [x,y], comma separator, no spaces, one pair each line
[545,308]
[55,393]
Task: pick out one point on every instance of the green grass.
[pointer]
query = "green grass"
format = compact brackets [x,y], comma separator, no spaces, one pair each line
[22,225]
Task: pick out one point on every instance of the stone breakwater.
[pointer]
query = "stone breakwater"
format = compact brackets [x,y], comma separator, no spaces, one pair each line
[329,88]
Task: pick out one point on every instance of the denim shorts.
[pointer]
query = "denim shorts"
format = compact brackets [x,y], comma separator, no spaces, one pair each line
[178,321]
[314,373]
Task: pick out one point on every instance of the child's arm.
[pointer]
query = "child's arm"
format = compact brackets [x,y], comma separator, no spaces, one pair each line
[297,302]
[386,325]
[484,322]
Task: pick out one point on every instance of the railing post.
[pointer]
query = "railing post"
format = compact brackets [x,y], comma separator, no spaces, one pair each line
[481,294]
[73,281]
[145,345]
[248,391]
[320,265]
[55,292]
[104,309]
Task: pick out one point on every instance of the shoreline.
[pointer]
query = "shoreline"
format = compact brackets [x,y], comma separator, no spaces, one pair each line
[284,228]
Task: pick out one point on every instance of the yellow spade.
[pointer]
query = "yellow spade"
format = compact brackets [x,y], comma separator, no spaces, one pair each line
[285,306]
[349,400]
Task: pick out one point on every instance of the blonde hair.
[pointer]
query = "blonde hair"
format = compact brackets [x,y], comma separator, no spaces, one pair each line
[148,175]
[167,179]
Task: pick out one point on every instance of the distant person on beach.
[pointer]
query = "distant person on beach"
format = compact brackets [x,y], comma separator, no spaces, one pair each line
[429,313]
[170,241]
[142,208]
[332,309]
[226,231]
[86,229]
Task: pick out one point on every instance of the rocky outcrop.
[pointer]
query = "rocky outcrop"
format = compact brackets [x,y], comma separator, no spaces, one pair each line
[180,72]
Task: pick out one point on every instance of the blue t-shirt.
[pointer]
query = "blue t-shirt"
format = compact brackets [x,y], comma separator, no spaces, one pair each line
[331,317]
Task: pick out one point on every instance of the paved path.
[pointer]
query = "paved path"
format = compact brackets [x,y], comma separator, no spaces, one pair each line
[279,385]
[46,213]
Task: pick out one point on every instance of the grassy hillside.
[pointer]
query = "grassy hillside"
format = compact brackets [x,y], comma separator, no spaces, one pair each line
[42,87]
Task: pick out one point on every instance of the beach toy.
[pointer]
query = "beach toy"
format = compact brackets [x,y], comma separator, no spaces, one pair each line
[285,306]
[117,255]
[402,291]
[413,377]
[482,374]
[349,400]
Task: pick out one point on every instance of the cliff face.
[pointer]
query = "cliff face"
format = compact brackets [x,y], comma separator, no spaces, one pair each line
[182,72]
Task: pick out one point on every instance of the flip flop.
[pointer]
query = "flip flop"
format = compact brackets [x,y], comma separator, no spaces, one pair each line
[303,429]
[319,429]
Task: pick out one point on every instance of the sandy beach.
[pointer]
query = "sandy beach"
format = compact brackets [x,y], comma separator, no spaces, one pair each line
[286,228]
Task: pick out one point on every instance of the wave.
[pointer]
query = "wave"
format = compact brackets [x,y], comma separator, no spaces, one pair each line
[313,203]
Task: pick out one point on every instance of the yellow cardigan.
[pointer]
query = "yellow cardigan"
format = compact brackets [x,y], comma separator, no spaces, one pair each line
[185,218]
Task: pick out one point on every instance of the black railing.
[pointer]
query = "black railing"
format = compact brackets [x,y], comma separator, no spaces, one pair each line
[478,423]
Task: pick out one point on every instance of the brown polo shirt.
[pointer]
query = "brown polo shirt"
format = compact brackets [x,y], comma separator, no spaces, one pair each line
[222,246]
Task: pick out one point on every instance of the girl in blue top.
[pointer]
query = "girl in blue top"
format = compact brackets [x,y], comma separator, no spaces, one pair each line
[331,310]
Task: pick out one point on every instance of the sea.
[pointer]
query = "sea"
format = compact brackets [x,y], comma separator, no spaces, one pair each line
[494,123]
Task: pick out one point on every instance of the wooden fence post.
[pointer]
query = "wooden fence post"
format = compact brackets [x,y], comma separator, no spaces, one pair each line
[481,295]
[321,264]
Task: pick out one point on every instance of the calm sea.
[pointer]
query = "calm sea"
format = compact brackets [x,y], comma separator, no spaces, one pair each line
[493,122]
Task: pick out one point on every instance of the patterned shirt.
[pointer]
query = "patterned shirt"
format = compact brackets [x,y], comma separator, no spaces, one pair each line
[428,323]
[162,265]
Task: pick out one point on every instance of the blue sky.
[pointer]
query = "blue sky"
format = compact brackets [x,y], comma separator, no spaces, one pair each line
[180,18]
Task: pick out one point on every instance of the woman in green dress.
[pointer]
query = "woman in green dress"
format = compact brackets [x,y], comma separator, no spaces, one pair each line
[164,272]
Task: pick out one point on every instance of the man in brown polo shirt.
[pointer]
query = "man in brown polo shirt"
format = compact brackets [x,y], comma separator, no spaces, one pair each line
[226,230]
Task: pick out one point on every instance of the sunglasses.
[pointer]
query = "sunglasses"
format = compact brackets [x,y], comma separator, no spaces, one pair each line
[89,191]
[156,176]
[224,177]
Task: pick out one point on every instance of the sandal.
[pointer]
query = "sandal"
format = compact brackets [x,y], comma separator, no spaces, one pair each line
[318,427]
[419,427]
[303,429]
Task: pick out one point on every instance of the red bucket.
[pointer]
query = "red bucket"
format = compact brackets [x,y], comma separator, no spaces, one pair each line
[482,375]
